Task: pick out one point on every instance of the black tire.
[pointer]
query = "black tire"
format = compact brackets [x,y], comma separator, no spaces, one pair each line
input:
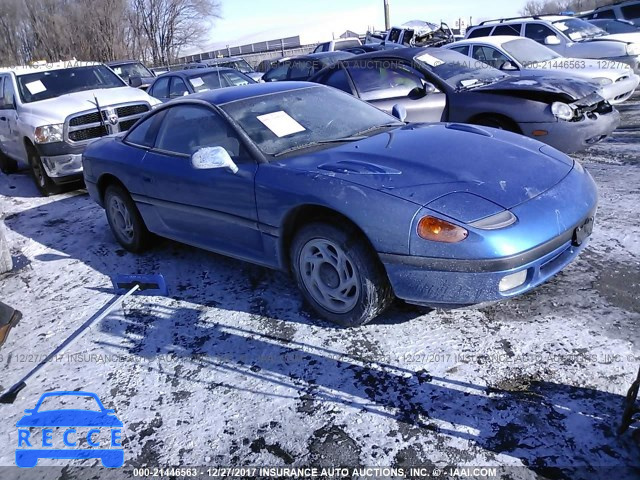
[367,292]
[7,165]
[130,232]
[497,122]
[43,182]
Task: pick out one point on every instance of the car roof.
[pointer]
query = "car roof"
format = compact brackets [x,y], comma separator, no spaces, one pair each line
[197,72]
[121,62]
[536,18]
[313,56]
[403,53]
[496,40]
[221,96]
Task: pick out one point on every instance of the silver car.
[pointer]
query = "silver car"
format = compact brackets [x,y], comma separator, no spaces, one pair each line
[520,56]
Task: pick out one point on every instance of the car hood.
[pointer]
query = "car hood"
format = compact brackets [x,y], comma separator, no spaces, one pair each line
[422,162]
[534,87]
[69,418]
[55,110]
[621,37]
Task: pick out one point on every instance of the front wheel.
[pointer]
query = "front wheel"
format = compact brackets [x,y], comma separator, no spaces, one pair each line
[125,220]
[339,275]
[45,185]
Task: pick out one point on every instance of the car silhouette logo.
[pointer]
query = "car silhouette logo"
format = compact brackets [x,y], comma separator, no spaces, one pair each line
[30,449]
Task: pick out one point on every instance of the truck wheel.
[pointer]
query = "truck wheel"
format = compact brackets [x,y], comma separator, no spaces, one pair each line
[125,220]
[7,165]
[45,185]
[339,275]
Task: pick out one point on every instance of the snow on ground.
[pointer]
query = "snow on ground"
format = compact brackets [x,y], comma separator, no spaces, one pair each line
[229,370]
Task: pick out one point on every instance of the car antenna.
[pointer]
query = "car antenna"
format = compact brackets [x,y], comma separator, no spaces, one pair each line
[97,105]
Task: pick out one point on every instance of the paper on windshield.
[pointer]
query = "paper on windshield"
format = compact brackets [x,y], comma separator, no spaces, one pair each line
[561,26]
[196,82]
[430,60]
[575,36]
[118,70]
[35,87]
[280,123]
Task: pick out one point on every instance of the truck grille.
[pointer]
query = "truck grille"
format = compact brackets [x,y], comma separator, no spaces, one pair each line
[86,126]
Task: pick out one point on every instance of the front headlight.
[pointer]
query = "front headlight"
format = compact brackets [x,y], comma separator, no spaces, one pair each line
[603,81]
[49,133]
[562,110]
[633,49]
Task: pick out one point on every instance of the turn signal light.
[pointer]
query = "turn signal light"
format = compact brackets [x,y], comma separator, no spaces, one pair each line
[437,230]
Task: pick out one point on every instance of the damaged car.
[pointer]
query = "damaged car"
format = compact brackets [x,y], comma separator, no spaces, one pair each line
[360,207]
[434,84]
[417,33]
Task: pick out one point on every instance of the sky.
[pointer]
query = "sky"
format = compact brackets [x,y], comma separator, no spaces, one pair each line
[246,21]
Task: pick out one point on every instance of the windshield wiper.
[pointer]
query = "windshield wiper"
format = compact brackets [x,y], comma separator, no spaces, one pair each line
[351,138]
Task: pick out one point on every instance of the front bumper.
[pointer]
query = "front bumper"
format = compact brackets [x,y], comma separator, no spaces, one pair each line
[540,243]
[414,280]
[63,168]
[570,137]
[620,91]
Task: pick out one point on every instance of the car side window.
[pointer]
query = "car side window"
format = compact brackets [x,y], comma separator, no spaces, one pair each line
[480,32]
[339,79]
[144,134]
[378,80]
[8,93]
[178,88]
[300,70]
[394,35]
[161,88]
[489,55]
[537,32]
[512,29]
[463,49]
[630,12]
[187,128]
[605,14]
[277,73]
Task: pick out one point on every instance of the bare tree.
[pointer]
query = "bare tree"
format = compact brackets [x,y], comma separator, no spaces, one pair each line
[169,25]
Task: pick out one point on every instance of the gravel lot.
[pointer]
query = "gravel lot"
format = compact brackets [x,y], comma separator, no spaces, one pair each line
[229,370]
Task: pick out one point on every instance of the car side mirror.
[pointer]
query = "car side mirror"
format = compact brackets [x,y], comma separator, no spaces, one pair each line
[213,157]
[399,112]
[135,82]
[508,67]
[429,88]
[552,40]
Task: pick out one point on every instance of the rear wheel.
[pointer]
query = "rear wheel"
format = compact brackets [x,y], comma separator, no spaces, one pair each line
[339,275]
[125,220]
[45,185]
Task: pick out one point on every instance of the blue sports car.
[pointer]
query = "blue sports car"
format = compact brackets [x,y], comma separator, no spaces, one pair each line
[359,206]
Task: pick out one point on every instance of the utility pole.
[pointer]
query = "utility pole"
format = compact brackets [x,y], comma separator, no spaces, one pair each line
[387,23]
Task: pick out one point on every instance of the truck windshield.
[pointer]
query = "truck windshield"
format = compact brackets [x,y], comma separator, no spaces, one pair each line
[128,70]
[45,84]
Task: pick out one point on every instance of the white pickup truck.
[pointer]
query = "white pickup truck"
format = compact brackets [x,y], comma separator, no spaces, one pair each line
[49,113]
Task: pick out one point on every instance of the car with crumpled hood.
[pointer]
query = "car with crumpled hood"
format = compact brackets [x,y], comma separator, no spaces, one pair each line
[435,84]
[518,56]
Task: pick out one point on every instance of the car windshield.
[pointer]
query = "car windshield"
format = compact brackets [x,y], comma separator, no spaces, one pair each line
[128,70]
[296,119]
[213,80]
[46,84]
[459,71]
[528,52]
[240,65]
[578,30]
[618,26]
